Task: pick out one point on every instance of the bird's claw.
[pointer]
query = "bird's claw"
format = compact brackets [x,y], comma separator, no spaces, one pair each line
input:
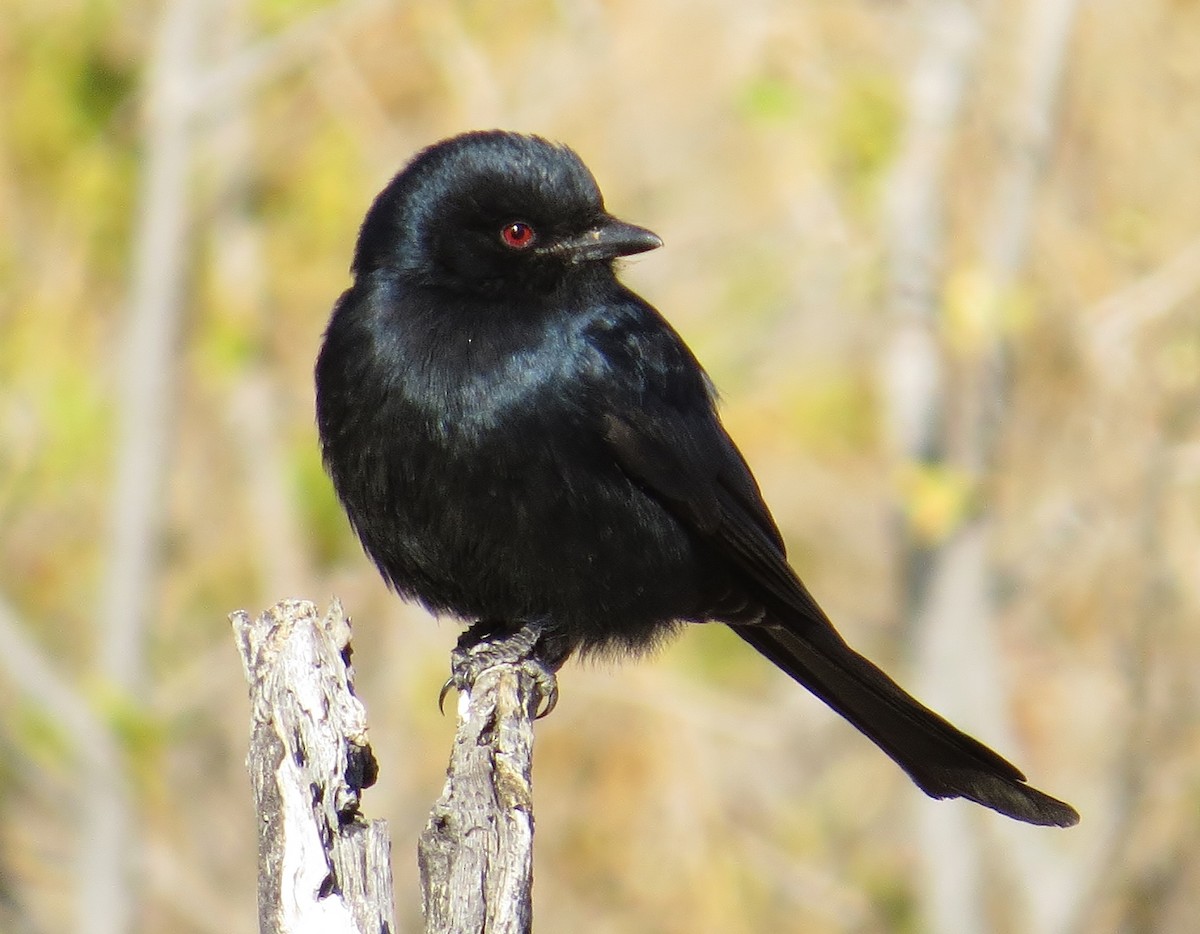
[546,683]
[442,694]
[548,693]
[481,648]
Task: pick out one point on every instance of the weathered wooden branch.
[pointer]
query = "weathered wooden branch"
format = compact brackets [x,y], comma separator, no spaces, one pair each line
[476,853]
[322,868]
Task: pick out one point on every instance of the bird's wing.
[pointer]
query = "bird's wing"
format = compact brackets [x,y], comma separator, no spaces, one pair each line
[683,457]
[688,461]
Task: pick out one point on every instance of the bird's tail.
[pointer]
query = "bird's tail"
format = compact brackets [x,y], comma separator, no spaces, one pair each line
[942,760]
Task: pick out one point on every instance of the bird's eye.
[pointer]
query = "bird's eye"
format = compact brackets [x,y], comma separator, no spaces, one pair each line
[517,235]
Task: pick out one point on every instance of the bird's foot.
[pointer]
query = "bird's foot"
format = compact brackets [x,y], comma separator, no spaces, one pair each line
[487,644]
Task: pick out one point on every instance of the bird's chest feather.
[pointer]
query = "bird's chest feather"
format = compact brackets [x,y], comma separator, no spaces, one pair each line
[498,434]
[498,473]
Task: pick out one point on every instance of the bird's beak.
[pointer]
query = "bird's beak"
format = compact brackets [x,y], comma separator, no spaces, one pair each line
[608,239]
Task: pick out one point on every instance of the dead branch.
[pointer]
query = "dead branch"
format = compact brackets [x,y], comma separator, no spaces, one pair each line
[322,867]
[476,853]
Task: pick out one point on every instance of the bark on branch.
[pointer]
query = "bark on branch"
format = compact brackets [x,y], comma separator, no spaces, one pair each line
[322,867]
[476,853]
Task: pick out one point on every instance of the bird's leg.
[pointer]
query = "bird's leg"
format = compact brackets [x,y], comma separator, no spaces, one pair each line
[489,643]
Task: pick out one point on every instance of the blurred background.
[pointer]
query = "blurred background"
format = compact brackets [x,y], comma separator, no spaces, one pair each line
[942,259]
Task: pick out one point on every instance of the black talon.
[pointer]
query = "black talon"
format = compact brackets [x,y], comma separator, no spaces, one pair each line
[442,694]
[551,698]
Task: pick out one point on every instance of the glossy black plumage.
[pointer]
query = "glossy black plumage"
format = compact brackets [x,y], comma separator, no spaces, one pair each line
[517,437]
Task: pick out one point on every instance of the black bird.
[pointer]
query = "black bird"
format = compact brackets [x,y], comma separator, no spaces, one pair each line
[518,438]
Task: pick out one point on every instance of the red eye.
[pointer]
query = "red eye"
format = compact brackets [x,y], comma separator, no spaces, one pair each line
[517,235]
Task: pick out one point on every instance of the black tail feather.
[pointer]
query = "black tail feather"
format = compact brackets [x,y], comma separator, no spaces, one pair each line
[941,759]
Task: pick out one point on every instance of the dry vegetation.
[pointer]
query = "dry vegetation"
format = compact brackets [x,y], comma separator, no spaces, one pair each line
[767,142]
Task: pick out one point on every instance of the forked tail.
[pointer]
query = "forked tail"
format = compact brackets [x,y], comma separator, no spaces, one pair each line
[941,759]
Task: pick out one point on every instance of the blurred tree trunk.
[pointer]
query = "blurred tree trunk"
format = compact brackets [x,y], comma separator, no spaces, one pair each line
[915,392]
[105,890]
[1048,886]
[946,391]
[234,241]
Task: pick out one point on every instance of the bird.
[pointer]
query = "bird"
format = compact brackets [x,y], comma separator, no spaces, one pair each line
[520,440]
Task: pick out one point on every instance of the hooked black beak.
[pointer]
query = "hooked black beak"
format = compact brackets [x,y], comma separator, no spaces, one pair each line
[608,239]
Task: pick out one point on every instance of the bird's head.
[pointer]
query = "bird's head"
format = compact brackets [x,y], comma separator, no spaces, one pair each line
[488,210]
